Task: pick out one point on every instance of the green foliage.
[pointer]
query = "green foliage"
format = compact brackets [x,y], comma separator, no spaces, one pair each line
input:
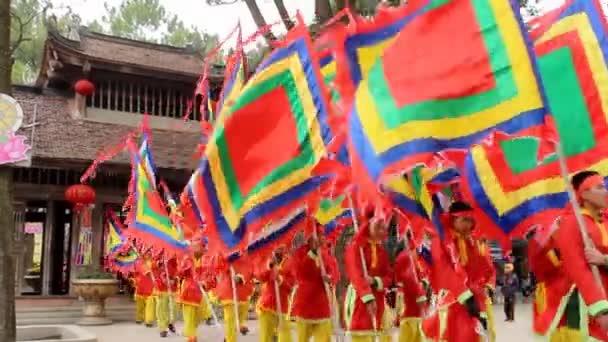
[180,35]
[28,33]
[148,20]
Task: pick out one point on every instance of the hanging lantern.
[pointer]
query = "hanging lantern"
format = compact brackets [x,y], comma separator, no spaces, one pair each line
[80,195]
[84,87]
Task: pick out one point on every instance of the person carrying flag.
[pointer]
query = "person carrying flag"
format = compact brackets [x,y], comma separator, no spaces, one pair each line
[364,303]
[551,284]
[145,307]
[240,274]
[274,277]
[585,313]
[191,271]
[412,296]
[311,306]
[165,274]
[460,274]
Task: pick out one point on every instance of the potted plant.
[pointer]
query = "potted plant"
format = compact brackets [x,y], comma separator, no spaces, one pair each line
[94,287]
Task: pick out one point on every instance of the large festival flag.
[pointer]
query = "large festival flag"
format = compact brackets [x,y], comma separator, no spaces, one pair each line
[259,160]
[363,41]
[150,222]
[471,71]
[512,180]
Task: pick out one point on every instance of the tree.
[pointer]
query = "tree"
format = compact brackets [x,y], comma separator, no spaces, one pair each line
[135,19]
[280,5]
[28,33]
[7,269]
[148,20]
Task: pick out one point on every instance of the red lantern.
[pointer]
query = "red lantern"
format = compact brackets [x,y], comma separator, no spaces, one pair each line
[84,87]
[80,195]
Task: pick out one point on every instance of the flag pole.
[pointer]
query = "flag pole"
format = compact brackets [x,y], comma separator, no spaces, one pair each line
[236,300]
[328,291]
[363,264]
[587,242]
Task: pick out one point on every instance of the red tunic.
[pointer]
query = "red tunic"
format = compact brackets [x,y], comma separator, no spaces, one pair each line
[244,287]
[163,275]
[571,248]
[268,300]
[476,261]
[378,267]
[144,283]
[310,302]
[409,284]
[192,273]
[448,274]
[551,284]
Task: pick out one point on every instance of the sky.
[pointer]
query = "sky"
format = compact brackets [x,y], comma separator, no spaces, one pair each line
[213,19]
[221,20]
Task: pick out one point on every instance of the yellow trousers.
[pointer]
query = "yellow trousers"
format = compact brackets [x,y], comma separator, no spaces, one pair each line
[270,326]
[204,311]
[490,313]
[321,332]
[191,320]
[145,309]
[409,330]
[163,317]
[565,335]
[230,320]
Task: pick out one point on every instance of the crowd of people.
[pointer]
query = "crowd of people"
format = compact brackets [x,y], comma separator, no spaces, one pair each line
[439,288]
[297,288]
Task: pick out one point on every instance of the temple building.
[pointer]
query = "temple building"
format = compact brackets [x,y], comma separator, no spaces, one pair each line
[67,131]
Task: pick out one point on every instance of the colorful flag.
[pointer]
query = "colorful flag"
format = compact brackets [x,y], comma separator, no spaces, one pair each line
[428,184]
[513,181]
[333,213]
[114,238]
[263,149]
[125,262]
[150,221]
[359,45]
[449,91]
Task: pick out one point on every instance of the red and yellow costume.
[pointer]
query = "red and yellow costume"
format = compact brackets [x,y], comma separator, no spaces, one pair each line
[272,322]
[545,263]
[412,295]
[581,297]
[451,322]
[165,277]
[358,321]
[144,291]
[244,290]
[311,306]
[195,308]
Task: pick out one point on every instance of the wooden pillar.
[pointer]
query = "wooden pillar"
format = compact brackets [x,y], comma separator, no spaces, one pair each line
[19,250]
[47,246]
[75,234]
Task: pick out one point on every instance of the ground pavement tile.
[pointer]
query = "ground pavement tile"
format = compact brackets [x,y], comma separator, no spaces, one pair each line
[519,331]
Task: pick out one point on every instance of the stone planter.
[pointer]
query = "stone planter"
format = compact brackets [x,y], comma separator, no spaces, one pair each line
[94,292]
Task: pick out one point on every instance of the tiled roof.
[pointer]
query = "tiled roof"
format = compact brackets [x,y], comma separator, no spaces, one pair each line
[59,136]
[127,52]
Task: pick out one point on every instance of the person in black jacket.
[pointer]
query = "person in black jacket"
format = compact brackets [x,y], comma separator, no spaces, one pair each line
[509,289]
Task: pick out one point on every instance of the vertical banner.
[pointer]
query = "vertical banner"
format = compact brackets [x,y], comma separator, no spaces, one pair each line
[84,253]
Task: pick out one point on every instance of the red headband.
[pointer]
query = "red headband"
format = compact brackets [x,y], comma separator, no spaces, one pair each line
[590,182]
[468,213]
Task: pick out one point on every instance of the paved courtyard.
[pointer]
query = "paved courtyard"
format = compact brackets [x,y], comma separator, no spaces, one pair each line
[519,331]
